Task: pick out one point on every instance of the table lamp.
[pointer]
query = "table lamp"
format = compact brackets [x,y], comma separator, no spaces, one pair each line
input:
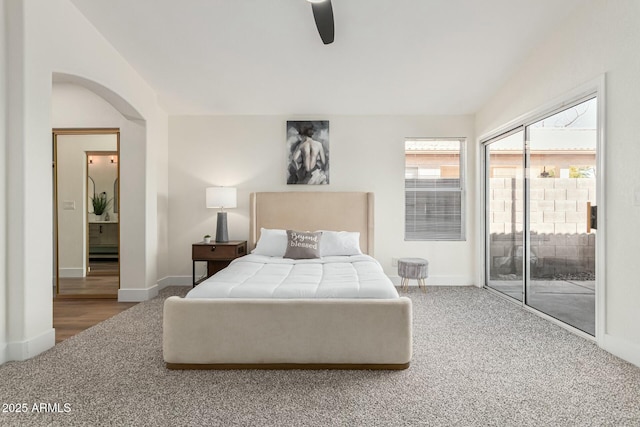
[221,197]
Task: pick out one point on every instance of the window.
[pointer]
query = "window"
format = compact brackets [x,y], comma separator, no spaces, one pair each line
[434,189]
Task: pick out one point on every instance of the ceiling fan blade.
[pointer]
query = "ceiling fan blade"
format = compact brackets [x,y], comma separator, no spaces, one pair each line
[323,15]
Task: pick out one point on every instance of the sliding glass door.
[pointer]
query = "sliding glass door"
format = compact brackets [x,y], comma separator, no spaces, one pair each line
[540,216]
[562,237]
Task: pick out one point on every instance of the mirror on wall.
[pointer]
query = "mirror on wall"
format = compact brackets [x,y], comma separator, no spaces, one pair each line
[87,214]
[102,200]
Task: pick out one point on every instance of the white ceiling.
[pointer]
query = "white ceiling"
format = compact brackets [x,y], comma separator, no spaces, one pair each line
[266,57]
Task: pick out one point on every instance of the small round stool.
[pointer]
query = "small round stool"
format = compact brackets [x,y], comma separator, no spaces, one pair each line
[413,268]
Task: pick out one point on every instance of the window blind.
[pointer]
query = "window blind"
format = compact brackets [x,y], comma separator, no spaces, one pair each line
[434,190]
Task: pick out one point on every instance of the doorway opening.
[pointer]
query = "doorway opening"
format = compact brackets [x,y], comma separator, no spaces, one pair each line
[86,212]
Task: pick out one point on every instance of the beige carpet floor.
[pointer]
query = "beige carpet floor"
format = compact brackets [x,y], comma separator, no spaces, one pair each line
[478,361]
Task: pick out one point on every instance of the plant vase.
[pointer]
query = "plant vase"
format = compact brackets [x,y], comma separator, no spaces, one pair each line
[100,204]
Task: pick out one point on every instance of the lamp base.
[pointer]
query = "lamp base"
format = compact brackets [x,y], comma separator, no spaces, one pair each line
[222,234]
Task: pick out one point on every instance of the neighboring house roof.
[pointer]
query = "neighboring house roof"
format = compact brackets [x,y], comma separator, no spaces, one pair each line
[544,139]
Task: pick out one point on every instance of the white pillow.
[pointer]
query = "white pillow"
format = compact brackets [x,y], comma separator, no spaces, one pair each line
[336,243]
[272,242]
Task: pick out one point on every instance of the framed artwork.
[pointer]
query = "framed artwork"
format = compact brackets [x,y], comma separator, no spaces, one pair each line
[308,152]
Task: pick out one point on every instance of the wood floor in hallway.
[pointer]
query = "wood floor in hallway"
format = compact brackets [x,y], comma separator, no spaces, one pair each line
[94,286]
[71,316]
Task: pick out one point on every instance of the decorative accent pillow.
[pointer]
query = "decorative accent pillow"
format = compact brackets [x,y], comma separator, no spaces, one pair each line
[303,245]
[336,243]
[272,242]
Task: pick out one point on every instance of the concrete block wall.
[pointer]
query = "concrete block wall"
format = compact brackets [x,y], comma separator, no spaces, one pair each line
[560,244]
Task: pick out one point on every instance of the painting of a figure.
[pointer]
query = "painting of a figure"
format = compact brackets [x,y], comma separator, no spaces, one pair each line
[308,152]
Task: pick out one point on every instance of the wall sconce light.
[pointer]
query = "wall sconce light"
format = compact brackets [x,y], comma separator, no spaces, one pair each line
[221,197]
[114,159]
[90,159]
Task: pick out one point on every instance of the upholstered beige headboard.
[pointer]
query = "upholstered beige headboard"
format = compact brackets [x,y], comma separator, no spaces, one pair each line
[313,210]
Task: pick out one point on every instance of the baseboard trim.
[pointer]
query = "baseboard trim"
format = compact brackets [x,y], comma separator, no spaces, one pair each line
[137,295]
[438,281]
[174,281]
[71,272]
[3,353]
[23,350]
[622,348]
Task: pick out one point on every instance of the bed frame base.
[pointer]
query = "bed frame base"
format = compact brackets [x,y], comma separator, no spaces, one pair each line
[286,366]
[287,333]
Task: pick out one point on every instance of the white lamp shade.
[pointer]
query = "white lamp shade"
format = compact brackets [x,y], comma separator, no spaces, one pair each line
[221,197]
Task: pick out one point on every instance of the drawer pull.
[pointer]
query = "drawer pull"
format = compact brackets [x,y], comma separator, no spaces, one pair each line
[213,248]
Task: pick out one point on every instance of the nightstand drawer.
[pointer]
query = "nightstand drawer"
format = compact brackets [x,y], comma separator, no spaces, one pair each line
[216,255]
[214,251]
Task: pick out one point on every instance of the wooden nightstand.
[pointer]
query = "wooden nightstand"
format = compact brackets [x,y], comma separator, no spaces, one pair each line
[216,255]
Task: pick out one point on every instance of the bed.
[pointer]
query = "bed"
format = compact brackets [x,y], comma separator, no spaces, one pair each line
[290,318]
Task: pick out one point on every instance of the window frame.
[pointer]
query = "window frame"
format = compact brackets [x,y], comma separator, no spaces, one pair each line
[463,191]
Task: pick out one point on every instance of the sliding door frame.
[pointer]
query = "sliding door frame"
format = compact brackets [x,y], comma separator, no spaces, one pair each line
[592,89]
[486,195]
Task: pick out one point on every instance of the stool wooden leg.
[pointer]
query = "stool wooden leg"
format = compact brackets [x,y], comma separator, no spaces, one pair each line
[404,284]
[422,285]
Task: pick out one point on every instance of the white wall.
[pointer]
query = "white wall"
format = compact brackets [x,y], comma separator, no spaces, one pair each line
[47,36]
[71,182]
[601,38]
[366,154]
[15,187]
[3,207]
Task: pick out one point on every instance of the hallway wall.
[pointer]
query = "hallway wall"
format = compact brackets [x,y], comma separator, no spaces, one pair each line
[47,37]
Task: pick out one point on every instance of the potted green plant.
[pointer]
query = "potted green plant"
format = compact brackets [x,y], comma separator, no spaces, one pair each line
[207,238]
[100,203]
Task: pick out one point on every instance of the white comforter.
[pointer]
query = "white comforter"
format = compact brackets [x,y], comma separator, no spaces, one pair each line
[258,276]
